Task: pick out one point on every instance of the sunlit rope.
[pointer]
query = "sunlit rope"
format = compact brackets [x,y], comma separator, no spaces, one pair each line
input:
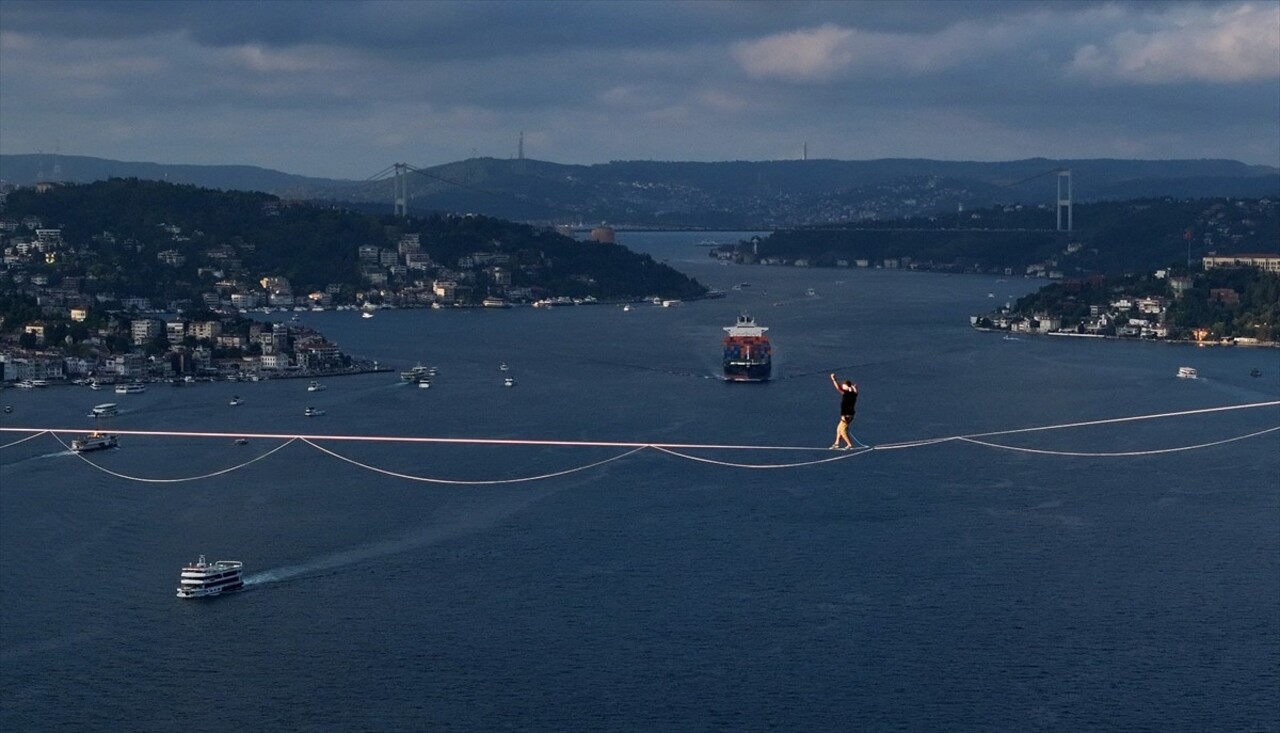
[436,440]
[674,449]
[146,480]
[913,443]
[23,440]
[1118,454]
[458,482]
[729,464]
[1113,420]
[1086,423]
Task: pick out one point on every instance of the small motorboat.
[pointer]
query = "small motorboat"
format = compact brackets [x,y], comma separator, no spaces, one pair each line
[1188,373]
[236,401]
[241,441]
[509,382]
[313,412]
[315,387]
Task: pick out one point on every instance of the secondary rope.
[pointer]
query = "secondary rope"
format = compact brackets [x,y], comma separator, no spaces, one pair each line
[23,440]
[729,464]
[145,480]
[1117,454]
[458,482]
[678,450]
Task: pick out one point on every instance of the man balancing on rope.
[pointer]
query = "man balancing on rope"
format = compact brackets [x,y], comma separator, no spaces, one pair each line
[848,401]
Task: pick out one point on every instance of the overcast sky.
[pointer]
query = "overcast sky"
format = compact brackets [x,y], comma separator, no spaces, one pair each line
[344,89]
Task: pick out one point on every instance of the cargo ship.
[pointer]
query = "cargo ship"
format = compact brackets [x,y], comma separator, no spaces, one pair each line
[748,357]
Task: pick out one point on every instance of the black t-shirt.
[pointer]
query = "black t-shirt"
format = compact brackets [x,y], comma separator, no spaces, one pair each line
[848,401]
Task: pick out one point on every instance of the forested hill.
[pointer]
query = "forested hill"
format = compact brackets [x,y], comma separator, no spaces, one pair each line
[726,195]
[1109,238]
[129,237]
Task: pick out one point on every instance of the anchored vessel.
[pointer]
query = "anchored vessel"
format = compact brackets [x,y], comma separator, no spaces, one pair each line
[748,356]
[93,441]
[210,579]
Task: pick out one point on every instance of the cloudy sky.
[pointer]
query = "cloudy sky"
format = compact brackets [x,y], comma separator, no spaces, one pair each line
[344,89]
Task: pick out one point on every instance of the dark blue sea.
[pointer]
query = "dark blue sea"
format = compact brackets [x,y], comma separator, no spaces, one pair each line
[951,586]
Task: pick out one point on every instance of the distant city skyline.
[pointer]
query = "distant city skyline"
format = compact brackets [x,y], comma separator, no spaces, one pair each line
[342,89]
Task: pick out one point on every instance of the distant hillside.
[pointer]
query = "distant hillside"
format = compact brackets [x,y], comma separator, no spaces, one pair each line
[736,194]
[24,170]
[170,243]
[1111,238]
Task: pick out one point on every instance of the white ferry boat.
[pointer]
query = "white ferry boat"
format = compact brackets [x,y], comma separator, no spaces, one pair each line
[416,373]
[106,409]
[313,412]
[1188,373]
[131,388]
[93,441]
[315,387]
[204,579]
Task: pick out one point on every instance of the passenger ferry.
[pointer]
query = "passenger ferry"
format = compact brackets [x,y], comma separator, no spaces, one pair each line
[1188,373]
[417,373]
[106,409]
[131,388]
[93,441]
[204,579]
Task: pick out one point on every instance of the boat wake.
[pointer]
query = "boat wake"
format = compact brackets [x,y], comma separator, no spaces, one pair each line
[41,457]
[463,521]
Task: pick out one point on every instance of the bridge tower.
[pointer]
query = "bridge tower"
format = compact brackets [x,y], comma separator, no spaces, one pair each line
[401,182]
[1064,201]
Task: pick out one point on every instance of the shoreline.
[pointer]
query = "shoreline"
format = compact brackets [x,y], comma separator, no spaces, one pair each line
[1172,342]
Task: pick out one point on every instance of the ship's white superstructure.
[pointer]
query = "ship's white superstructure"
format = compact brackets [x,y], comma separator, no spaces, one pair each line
[106,409]
[203,579]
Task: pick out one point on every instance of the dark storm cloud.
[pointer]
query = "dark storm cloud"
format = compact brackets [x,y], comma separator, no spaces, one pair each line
[340,88]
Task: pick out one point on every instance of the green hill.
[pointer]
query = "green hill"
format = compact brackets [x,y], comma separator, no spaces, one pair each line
[134,238]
